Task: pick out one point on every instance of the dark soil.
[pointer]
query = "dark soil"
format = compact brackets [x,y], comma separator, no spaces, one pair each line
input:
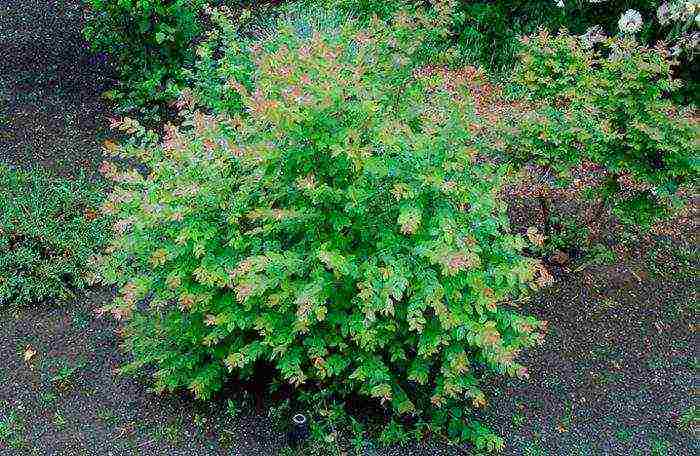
[50,85]
[613,377]
[619,365]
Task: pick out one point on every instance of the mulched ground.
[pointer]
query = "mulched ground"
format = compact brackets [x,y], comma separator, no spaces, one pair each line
[613,377]
[50,85]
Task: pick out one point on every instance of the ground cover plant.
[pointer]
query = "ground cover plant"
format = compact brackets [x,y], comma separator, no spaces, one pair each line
[49,231]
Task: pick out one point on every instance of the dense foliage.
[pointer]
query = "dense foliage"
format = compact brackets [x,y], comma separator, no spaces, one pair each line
[343,229]
[609,103]
[49,231]
[149,42]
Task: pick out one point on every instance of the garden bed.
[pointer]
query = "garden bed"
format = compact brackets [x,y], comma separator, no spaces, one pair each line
[615,375]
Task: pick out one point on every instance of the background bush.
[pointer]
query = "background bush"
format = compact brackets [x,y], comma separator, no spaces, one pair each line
[49,230]
[152,41]
[149,42]
[610,104]
[341,230]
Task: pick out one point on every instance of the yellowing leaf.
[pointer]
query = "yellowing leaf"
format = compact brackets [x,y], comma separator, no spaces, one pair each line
[29,353]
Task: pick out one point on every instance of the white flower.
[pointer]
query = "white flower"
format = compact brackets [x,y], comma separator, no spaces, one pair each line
[593,35]
[630,22]
[560,3]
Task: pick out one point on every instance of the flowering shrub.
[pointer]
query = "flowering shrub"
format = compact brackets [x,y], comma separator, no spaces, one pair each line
[608,103]
[49,230]
[226,52]
[681,20]
[488,32]
[341,230]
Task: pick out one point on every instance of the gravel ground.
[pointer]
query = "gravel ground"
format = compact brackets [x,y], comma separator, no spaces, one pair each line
[615,374]
[619,366]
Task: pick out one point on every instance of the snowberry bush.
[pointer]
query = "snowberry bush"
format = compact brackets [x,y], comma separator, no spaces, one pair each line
[341,230]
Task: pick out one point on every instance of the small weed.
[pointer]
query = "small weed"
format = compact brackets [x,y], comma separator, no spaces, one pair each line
[170,432]
[568,415]
[199,420]
[656,363]
[63,376]
[609,303]
[226,439]
[660,448]
[232,408]
[47,399]
[59,420]
[600,254]
[63,373]
[690,420]
[12,429]
[518,419]
[107,415]
[605,378]
[279,415]
[624,434]
[602,352]
[393,433]
[534,449]
[81,320]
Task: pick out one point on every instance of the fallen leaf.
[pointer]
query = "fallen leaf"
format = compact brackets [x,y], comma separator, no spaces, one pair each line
[29,353]
[90,215]
[559,258]
[110,146]
[535,236]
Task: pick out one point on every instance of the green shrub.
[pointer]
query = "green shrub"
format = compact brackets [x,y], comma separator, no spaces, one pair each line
[609,105]
[488,32]
[227,51]
[340,230]
[149,41]
[49,230]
